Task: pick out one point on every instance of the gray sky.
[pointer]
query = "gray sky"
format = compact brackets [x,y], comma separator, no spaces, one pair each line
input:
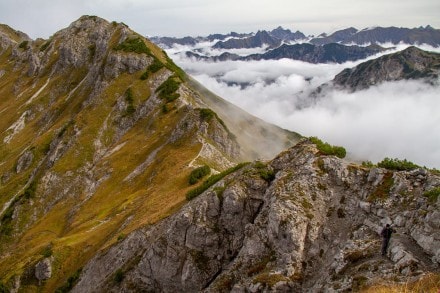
[42,18]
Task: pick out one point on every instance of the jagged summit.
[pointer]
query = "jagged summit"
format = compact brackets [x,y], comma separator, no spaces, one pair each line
[411,63]
[313,227]
[100,132]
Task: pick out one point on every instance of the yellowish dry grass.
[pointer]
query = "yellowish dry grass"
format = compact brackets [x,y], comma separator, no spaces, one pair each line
[430,283]
[77,227]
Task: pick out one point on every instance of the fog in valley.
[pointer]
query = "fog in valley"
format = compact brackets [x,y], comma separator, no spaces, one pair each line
[395,119]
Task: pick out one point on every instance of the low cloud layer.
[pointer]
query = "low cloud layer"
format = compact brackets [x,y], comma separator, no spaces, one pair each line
[398,119]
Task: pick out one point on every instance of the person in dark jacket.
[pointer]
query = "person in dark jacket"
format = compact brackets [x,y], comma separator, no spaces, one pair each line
[386,236]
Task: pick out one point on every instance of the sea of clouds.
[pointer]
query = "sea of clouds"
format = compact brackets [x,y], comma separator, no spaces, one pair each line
[395,119]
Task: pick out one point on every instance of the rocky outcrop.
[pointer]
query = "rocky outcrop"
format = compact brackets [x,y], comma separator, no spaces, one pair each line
[411,63]
[100,132]
[314,227]
[43,269]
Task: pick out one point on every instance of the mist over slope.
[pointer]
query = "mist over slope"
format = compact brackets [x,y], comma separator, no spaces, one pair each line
[394,119]
[100,133]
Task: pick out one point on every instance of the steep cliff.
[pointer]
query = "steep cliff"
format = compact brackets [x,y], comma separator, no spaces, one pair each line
[303,222]
[99,133]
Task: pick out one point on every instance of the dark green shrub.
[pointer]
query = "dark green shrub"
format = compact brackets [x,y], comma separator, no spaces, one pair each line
[121,236]
[29,192]
[207,114]
[267,175]
[173,67]
[165,109]
[396,164]
[432,194]
[264,172]
[367,164]
[65,128]
[167,90]
[135,45]
[71,281]
[198,174]
[6,221]
[144,75]
[47,251]
[24,45]
[155,66]
[328,149]
[3,288]
[152,68]
[45,45]
[129,98]
[118,276]
[211,181]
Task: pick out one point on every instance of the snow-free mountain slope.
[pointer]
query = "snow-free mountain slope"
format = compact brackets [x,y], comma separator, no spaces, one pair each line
[411,63]
[99,134]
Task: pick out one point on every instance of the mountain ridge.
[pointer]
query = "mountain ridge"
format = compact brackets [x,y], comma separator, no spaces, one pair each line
[349,36]
[411,63]
[379,35]
[313,226]
[328,53]
[99,134]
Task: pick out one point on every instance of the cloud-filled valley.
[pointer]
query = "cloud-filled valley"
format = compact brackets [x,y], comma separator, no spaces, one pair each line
[394,119]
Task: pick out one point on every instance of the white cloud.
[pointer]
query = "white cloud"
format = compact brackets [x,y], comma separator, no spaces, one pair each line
[398,119]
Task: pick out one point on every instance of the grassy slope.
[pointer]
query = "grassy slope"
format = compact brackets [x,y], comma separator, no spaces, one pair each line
[76,233]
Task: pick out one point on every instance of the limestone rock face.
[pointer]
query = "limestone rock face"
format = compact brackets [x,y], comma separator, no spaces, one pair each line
[43,269]
[314,227]
[24,161]
[100,132]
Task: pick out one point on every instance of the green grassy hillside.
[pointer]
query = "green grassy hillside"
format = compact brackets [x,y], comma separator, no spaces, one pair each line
[99,134]
[90,150]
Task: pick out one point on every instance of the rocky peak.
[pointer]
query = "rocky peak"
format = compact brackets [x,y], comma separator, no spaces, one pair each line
[313,226]
[100,133]
[411,63]
[10,37]
[341,35]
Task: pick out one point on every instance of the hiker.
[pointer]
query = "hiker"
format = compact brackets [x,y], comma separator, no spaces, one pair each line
[386,236]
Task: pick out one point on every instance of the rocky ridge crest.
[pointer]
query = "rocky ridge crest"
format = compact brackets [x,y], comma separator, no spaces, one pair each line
[100,131]
[411,63]
[314,227]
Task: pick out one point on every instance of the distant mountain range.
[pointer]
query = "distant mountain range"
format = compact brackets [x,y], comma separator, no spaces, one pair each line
[341,46]
[421,35]
[235,40]
[395,35]
[335,53]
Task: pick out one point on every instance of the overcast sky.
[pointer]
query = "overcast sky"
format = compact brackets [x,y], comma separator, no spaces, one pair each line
[42,18]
